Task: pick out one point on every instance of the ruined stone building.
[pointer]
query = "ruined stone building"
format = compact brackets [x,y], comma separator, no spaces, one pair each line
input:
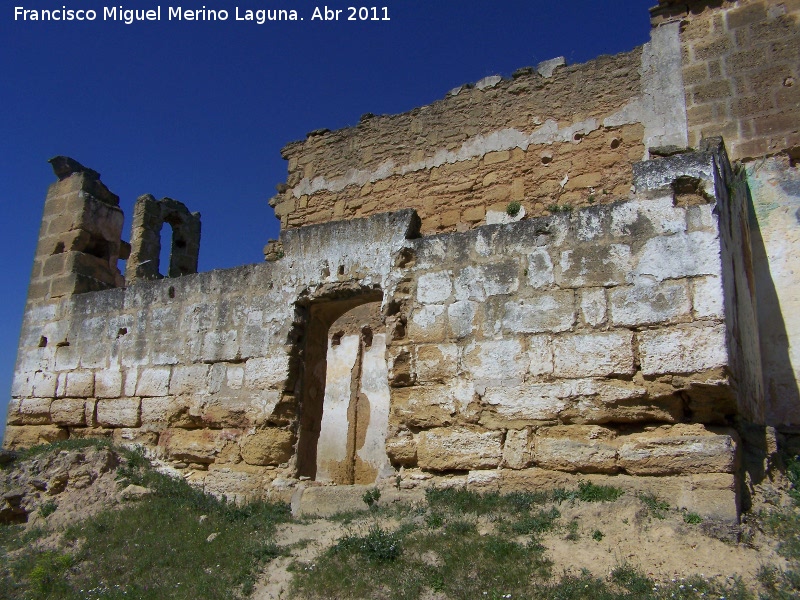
[580,272]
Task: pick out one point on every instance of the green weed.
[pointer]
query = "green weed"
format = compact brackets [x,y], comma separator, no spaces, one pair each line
[377,545]
[48,508]
[692,518]
[371,497]
[657,508]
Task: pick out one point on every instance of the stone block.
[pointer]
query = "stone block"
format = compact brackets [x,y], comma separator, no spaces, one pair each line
[450,217]
[398,363]
[593,306]
[540,352]
[217,375]
[134,437]
[266,372]
[524,404]
[594,266]
[402,450]
[108,384]
[80,384]
[577,449]
[90,412]
[268,447]
[678,256]
[26,436]
[746,15]
[90,433]
[234,377]
[68,411]
[492,158]
[468,284]
[431,406]
[499,278]
[458,448]
[44,384]
[189,380]
[252,410]
[641,219]
[221,345]
[619,401]
[708,301]
[679,449]
[543,312]
[540,269]
[159,412]
[686,349]
[461,318]
[67,358]
[235,484]
[22,385]
[428,323]
[585,180]
[193,445]
[33,411]
[12,413]
[650,303]
[496,360]
[434,288]
[517,453]
[483,481]
[130,382]
[436,362]
[118,412]
[593,354]
[483,281]
[153,382]
[474,214]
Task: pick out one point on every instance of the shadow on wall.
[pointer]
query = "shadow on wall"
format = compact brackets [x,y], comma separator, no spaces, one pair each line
[773,198]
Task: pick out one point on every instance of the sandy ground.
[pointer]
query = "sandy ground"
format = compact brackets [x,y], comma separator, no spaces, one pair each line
[665,549]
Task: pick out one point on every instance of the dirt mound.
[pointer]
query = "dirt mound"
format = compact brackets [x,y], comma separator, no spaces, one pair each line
[58,488]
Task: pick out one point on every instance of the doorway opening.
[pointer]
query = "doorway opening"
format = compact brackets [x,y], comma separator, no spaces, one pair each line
[345,408]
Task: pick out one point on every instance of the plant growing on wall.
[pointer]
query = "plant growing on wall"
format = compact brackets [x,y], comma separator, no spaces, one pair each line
[512,210]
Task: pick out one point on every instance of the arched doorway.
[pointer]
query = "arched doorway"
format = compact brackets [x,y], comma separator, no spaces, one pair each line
[345,410]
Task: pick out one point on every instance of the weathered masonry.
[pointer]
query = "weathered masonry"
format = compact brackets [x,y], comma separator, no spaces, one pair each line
[575,283]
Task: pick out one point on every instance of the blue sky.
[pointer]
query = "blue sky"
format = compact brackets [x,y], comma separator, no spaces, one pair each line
[198,111]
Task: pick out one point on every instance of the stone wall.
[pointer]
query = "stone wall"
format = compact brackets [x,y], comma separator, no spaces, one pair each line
[580,343]
[552,138]
[775,224]
[742,73]
[740,68]
[543,307]
[591,342]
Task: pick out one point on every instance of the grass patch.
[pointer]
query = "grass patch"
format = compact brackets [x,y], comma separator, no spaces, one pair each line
[377,545]
[461,501]
[454,560]
[152,549]
[71,444]
[533,523]
[692,518]
[48,508]
[588,492]
[657,508]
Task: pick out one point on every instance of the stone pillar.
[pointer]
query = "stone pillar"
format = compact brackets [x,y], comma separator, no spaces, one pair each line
[80,236]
